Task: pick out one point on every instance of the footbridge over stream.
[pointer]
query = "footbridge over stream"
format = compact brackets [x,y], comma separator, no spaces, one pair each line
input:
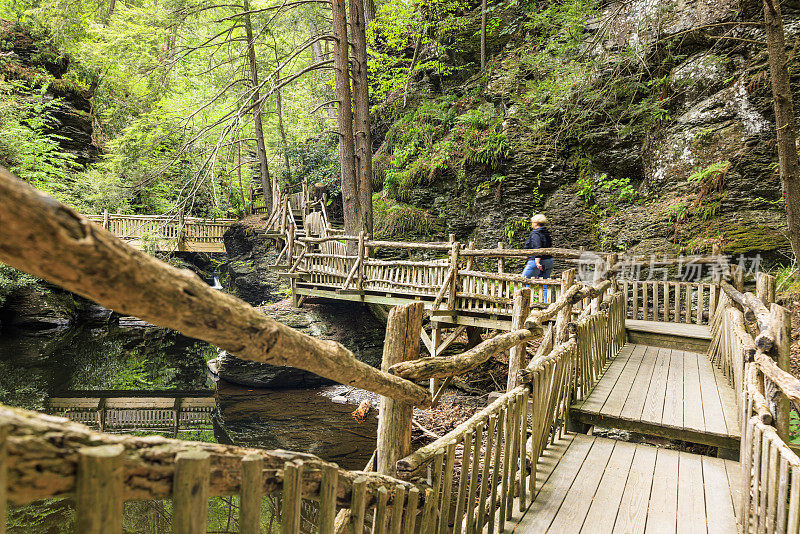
[166,233]
[702,363]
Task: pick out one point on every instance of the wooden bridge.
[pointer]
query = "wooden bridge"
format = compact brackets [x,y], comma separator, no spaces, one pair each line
[704,363]
[164,233]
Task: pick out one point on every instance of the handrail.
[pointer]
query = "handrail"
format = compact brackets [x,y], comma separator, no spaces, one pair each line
[771,470]
[43,452]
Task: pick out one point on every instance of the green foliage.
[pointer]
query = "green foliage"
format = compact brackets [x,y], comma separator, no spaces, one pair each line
[712,172]
[622,186]
[314,160]
[12,280]
[516,228]
[28,146]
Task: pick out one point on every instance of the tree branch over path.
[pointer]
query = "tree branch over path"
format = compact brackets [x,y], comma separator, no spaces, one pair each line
[45,238]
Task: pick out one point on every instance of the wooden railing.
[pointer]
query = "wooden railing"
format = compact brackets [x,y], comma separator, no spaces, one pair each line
[674,302]
[766,394]
[165,233]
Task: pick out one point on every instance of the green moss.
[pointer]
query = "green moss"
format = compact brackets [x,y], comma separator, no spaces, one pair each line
[742,238]
[393,219]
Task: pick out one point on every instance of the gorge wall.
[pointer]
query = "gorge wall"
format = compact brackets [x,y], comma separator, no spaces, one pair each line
[651,131]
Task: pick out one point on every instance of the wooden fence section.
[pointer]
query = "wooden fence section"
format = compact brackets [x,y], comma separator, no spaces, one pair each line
[667,301]
[167,234]
[497,449]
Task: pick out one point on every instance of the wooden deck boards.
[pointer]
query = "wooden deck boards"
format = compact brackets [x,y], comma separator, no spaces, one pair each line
[603,485]
[666,392]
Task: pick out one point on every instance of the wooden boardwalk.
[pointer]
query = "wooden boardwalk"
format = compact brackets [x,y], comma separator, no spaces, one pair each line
[596,485]
[665,392]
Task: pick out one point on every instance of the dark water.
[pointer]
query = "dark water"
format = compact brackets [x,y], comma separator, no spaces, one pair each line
[35,366]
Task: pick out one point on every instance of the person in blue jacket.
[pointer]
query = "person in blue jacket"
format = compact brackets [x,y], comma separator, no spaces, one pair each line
[539,266]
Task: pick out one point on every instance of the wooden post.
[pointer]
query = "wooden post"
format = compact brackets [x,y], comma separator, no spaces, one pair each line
[436,340]
[716,249]
[522,306]
[181,223]
[327,499]
[765,288]
[98,490]
[105,219]
[737,278]
[190,492]
[501,262]
[781,320]
[596,278]
[565,314]
[360,260]
[252,491]
[3,477]
[394,421]
[470,259]
[292,497]
[454,255]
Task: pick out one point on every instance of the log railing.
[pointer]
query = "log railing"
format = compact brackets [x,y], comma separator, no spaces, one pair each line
[45,457]
[770,496]
[667,301]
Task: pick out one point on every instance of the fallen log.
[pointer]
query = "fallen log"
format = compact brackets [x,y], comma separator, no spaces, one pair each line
[438,367]
[43,459]
[43,237]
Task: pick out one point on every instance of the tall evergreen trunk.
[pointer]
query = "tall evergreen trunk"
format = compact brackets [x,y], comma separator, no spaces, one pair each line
[350,200]
[784,119]
[363,139]
[261,150]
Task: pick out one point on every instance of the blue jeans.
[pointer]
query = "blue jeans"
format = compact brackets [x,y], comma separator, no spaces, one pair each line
[532,271]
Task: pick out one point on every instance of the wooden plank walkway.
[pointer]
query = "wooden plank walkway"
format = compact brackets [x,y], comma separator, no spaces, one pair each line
[595,485]
[664,392]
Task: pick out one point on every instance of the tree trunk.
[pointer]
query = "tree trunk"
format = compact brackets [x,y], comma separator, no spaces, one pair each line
[279,104]
[363,139]
[784,119]
[350,201]
[369,13]
[261,149]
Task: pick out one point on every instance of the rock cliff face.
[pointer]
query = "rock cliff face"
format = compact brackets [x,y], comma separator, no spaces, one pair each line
[40,66]
[689,159]
[246,273]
